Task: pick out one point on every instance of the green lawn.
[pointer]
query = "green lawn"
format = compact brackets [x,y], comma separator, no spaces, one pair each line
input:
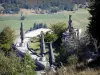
[80,19]
[14,21]
[35,45]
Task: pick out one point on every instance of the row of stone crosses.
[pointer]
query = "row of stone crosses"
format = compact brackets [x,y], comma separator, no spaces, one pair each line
[70,31]
[42,46]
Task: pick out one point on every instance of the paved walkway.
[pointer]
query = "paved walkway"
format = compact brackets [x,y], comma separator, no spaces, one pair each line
[24,47]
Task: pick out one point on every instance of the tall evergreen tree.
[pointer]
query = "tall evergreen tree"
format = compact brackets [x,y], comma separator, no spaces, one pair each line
[93,27]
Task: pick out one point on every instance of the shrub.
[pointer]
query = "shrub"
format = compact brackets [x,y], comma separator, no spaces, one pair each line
[40,25]
[9,65]
[73,59]
[69,70]
[22,18]
[59,28]
[54,9]
[28,67]
[50,37]
[12,65]
[45,26]
[6,39]
[35,26]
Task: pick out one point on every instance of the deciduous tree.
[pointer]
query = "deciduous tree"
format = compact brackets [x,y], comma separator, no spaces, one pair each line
[6,39]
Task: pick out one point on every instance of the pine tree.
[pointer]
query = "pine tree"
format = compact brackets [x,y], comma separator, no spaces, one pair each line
[93,27]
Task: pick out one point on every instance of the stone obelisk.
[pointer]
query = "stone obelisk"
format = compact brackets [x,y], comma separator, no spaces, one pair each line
[42,44]
[70,23]
[21,33]
[51,54]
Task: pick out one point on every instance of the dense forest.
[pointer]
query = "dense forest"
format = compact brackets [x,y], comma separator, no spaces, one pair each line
[13,6]
[39,1]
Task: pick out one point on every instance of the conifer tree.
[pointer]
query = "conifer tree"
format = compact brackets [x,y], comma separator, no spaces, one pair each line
[93,27]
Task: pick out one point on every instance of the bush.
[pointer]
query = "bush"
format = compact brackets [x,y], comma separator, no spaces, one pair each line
[45,26]
[5,47]
[28,67]
[73,59]
[22,18]
[12,65]
[40,25]
[50,37]
[35,26]
[54,9]
[6,39]
[31,29]
[69,70]
[9,65]
[59,28]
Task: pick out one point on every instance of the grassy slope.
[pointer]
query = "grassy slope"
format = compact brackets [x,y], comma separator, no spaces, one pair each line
[14,22]
[79,19]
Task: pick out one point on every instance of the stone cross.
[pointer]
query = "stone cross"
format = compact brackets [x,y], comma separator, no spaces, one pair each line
[42,44]
[77,33]
[21,33]
[70,23]
[51,54]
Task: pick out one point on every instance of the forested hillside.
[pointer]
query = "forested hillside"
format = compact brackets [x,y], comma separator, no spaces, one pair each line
[63,1]
[13,6]
[36,1]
